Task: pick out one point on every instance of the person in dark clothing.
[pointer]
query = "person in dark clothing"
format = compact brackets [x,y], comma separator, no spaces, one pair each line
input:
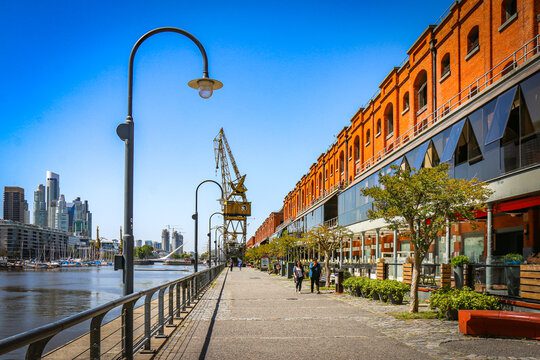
[315,274]
[231,264]
[298,275]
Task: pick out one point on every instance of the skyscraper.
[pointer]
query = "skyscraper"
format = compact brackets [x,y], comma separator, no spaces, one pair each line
[62,216]
[14,204]
[80,218]
[178,241]
[166,240]
[52,195]
[40,207]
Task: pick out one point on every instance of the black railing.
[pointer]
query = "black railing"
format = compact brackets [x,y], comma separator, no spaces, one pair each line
[179,294]
[505,279]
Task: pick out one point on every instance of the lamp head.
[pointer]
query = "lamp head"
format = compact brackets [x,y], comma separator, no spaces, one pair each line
[206,86]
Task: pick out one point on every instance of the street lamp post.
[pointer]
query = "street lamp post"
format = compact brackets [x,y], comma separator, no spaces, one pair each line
[210,236]
[217,245]
[125,131]
[196,218]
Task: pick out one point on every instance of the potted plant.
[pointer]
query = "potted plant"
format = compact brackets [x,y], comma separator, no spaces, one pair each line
[397,291]
[458,264]
[511,272]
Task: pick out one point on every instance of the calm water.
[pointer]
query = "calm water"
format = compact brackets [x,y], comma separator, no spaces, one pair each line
[29,299]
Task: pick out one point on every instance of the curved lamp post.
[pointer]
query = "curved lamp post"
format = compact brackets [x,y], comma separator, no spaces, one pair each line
[125,131]
[196,218]
[210,235]
[217,246]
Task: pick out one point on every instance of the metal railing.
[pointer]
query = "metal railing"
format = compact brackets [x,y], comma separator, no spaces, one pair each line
[504,279]
[173,298]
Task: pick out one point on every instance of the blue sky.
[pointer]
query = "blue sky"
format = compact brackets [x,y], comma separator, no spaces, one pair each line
[294,74]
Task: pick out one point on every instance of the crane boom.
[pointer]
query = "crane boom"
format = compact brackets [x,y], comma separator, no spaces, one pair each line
[236,207]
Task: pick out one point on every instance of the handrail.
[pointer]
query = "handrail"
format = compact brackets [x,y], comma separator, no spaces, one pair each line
[38,338]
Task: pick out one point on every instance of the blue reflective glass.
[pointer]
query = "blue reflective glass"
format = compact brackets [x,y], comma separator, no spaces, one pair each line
[453,139]
[530,89]
[500,116]
[416,156]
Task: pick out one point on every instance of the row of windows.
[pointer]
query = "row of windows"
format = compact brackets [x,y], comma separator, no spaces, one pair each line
[500,137]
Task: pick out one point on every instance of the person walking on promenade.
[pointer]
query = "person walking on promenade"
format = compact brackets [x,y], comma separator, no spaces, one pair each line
[239,264]
[231,264]
[298,275]
[315,274]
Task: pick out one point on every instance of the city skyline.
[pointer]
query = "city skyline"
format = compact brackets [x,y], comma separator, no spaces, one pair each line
[308,75]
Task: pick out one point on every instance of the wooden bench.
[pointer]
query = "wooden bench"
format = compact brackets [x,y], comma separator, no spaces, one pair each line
[515,324]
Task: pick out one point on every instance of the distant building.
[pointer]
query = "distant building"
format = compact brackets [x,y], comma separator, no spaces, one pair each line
[157,245]
[139,243]
[80,218]
[149,243]
[178,241]
[166,240]
[40,207]
[52,195]
[62,216]
[25,241]
[14,204]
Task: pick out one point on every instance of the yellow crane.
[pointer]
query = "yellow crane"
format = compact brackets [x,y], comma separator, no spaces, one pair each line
[236,208]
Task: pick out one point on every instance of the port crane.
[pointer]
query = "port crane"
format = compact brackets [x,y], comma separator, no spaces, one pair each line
[235,206]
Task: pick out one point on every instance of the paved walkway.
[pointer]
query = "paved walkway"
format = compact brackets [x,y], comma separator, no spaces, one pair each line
[249,314]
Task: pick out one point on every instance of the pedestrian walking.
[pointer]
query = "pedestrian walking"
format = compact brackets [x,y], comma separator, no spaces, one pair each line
[231,264]
[239,264]
[315,274]
[298,275]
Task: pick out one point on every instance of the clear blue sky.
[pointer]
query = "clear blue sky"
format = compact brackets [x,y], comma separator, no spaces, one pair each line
[293,71]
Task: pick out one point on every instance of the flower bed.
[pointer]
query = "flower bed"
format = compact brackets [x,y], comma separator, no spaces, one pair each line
[448,301]
[384,290]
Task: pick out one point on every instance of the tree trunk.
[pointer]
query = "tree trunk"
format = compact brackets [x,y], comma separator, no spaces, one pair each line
[327,267]
[413,307]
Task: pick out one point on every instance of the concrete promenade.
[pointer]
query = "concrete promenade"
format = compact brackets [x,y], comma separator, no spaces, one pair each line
[249,314]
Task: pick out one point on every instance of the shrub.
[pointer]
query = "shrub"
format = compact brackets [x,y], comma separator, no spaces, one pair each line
[460,260]
[448,301]
[513,258]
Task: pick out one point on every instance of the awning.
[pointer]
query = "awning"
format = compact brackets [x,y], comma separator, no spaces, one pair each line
[451,144]
[500,116]
[416,156]
[530,89]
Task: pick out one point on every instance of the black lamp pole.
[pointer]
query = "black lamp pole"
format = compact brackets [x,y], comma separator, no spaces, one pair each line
[196,218]
[210,235]
[125,131]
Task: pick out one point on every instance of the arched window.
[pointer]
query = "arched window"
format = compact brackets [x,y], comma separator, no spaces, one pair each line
[473,39]
[508,10]
[350,152]
[356,147]
[341,162]
[389,119]
[406,101]
[421,90]
[312,189]
[332,170]
[320,187]
[368,137]
[445,65]
[378,127]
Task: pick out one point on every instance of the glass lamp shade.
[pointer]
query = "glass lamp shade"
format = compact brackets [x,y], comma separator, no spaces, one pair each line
[205,86]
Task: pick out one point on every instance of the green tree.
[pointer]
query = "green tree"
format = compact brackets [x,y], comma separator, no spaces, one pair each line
[144,252]
[422,202]
[326,240]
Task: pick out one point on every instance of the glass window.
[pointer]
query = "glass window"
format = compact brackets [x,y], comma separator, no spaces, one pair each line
[453,139]
[473,246]
[472,39]
[530,89]
[500,116]
[416,156]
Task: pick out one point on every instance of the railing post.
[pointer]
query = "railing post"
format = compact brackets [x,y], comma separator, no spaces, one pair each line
[178,300]
[95,337]
[184,296]
[35,349]
[148,323]
[171,306]
[161,314]
[189,287]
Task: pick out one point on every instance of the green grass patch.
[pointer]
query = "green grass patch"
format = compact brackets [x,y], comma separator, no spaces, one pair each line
[412,316]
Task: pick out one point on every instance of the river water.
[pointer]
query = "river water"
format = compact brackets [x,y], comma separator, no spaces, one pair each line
[30,298]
